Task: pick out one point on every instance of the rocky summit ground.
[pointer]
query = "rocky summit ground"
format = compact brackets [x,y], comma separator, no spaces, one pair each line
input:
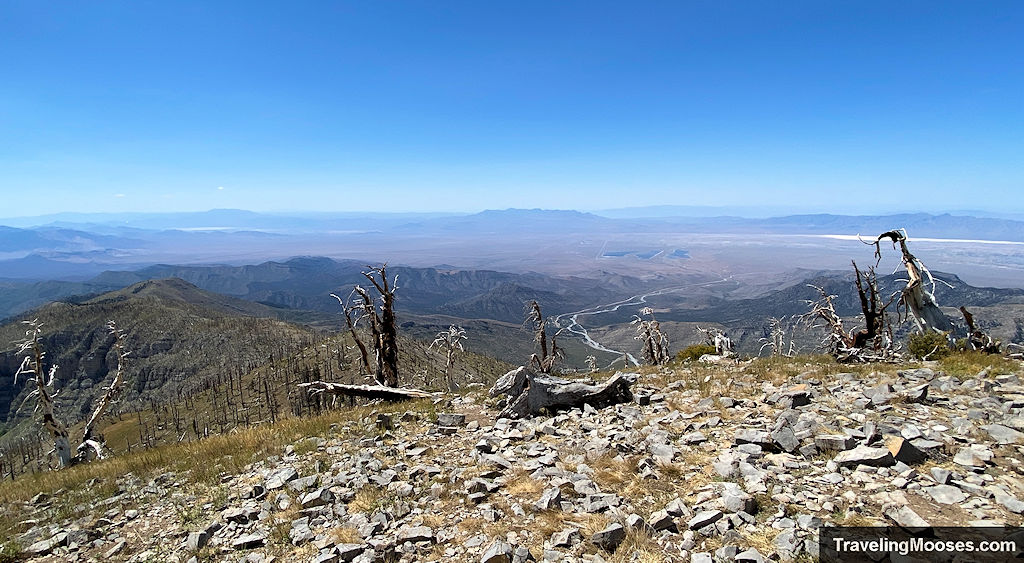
[741,462]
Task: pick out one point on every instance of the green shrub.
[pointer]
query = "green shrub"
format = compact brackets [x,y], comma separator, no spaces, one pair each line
[694,352]
[9,552]
[930,344]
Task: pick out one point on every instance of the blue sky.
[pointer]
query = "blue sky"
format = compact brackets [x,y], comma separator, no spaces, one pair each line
[462,106]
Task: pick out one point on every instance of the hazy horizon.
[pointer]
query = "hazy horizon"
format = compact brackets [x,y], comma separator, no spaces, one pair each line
[639,212]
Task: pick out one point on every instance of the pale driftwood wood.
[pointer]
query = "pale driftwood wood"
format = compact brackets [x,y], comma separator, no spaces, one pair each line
[917,296]
[32,368]
[978,339]
[89,441]
[530,393]
[654,342]
[382,392]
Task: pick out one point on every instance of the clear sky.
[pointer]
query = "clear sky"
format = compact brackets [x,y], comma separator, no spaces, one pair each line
[462,106]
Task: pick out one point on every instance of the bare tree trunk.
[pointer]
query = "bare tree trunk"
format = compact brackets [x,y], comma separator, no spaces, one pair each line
[548,356]
[383,392]
[383,325]
[655,343]
[976,338]
[917,297]
[32,366]
[363,354]
[451,341]
[877,333]
[113,390]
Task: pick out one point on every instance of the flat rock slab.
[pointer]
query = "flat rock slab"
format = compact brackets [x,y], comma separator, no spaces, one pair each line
[946,494]
[416,534]
[1003,435]
[971,458]
[907,518]
[281,477]
[834,442]
[46,546]
[759,437]
[249,541]
[865,455]
[450,419]
[704,518]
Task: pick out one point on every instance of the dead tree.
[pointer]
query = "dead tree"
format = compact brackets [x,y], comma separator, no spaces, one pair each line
[977,339]
[382,392]
[549,355]
[877,331]
[654,342]
[32,368]
[917,298]
[93,445]
[717,338]
[351,323]
[450,341]
[775,339]
[872,343]
[383,330]
[384,333]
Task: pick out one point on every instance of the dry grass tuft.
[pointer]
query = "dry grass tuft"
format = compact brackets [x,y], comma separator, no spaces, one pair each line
[612,474]
[367,499]
[589,524]
[548,522]
[345,534]
[638,547]
[521,486]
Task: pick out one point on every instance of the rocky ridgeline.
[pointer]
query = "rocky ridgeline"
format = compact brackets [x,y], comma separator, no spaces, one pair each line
[749,476]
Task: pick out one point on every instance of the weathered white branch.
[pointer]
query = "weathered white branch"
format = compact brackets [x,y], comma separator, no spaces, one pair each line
[382,392]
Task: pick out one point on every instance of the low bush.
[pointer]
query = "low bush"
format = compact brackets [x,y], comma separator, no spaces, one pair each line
[928,345]
[694,352]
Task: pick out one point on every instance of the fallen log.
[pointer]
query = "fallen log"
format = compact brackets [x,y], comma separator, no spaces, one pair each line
[530,393]
[382,392]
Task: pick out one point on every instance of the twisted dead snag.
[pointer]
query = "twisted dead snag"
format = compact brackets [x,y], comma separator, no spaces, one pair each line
[32,368]
[545,362]
[977,339]
[653,340]
[93,445]
[361,305]
[873,343]
[383,329]
[775,339]
[451,342]
[918,297]
[717,338]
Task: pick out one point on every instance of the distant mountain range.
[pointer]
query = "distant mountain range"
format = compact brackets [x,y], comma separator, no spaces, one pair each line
[78,247]
[46,232]
[306,283]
